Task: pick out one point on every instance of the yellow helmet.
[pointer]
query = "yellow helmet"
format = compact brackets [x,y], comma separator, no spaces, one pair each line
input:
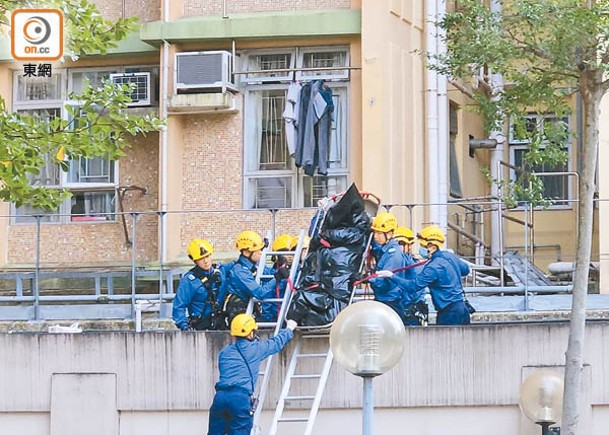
[285,242]
[250,240]
[199,248]
[405,235]
[431,234]
[384,222]
[242,325]
[306,242]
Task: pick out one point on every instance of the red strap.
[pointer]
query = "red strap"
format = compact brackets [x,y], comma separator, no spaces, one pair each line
[374,275]
[324,243]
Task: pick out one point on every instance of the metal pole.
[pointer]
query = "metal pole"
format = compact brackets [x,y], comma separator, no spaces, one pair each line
[273,224]
[545,428]
[37,271]
[526,256]
[133,252]
[410,207]
[368,406]
[161,263]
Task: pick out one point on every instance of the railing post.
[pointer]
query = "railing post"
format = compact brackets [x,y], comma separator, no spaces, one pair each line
[36,288]
[134,217]
[273,223]
[161,217]
[526,256]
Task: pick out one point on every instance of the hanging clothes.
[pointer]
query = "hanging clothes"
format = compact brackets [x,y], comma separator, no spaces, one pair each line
[290,116]
[314,127]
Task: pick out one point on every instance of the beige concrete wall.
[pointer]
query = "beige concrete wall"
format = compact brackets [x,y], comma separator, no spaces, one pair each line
[392,102]
[462,380]
[216,7]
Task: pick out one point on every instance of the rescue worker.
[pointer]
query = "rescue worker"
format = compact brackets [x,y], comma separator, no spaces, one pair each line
[234,403]
[416,311]
[281,270]
[442,275]
[388,257]
[241,278]
[405,238]
[198,301]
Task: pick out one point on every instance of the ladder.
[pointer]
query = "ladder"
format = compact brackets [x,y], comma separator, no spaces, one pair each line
[304,386]
[308,370]
[265,374]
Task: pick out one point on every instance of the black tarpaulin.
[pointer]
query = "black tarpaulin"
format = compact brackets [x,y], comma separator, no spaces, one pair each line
[333,262]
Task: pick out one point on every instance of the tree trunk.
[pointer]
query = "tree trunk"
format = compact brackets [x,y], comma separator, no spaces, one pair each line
[574,361]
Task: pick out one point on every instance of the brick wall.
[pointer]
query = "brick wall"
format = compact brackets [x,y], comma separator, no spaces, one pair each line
[213,186]
[215,7]
[79,243]
[213,150]
[146,10]
[222,227]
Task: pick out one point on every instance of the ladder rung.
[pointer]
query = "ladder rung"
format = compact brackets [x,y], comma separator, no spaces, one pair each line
[312,355]
[311,376]
[300,398]
[316,336]
[293,419]
[266,324]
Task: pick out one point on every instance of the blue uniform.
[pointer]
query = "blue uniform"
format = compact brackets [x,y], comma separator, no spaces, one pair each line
[415,307]
[442,275]
[199,295]
[270,310]
[242,286]
[390,257]
[404,279]
[230,410]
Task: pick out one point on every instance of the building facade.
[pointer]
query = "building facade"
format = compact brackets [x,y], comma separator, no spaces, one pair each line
[223,163]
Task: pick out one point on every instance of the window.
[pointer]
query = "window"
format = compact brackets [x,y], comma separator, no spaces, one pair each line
[92,182]
[324,58]
[38,91]
[556,187]
[271,178]
[273,61]
[92,206]
[145,78]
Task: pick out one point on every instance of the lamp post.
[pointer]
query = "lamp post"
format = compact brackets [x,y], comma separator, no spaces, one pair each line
[367,339]
[541,400]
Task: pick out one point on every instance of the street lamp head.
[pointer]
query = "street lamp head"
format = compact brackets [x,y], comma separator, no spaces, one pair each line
[541,397]
[367,338]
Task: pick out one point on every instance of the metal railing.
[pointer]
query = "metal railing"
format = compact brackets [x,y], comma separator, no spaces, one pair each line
[111,273]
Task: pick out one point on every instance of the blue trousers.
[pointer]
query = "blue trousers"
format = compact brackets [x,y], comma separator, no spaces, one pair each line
[230,413]
[454,314]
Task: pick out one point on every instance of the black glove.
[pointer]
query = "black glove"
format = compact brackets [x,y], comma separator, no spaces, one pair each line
[282,273]
[215,276]
[188,328]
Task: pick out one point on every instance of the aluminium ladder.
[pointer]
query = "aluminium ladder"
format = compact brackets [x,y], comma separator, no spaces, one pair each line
[304,368]
[266,373]
[304,386]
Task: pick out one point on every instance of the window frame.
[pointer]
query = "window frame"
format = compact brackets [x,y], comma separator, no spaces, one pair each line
[286,77]
[296,174]
[325,75]
[39,104]
[517,145]
[63,213]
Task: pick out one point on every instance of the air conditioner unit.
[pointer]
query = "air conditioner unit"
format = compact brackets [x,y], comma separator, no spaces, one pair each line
[203,71]
[141,92]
